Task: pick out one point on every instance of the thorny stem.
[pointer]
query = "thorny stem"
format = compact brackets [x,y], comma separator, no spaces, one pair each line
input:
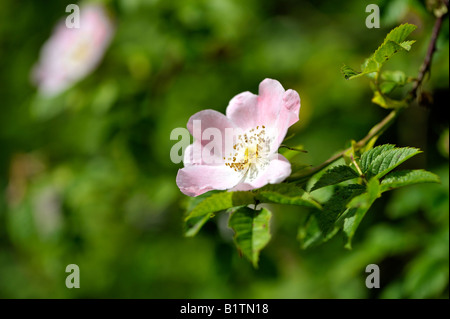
[426,65]
[379,128]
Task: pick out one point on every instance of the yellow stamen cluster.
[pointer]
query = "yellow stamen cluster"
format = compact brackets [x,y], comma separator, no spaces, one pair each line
[247,149]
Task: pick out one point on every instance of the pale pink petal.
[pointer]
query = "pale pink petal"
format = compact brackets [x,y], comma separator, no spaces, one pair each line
[215,121]
[243,110]
[198,179]
[277,171]
[194,154]
[279,108]
[208,118]
[291,103]
[269,101]
[289,114]
[274,108]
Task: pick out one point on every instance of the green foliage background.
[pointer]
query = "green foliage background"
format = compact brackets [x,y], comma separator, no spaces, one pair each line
[86,177]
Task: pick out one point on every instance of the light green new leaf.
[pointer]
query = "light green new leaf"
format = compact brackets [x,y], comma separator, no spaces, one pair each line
[335,175]
[407,177]
[349,73]
[397,77]
[357,209]
[391,80]
[370,155]
[393,43]
[387,102]
[387,161]
[400,33]
[252,233]
[203,208]
[385,52]
[288,194]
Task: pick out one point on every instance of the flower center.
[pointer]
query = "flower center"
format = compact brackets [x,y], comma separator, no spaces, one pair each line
[250,152]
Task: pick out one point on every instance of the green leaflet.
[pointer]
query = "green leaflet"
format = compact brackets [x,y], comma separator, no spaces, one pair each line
[336,205]
[387,161]
[393,43]
[386,102]
[370,155]
[323,224]
[221,201]
[284,193]
[334,176]
[252,233]
[408,177]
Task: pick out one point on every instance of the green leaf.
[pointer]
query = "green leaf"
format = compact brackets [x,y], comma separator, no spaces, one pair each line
[288,194]
[357,209]
[335,175]
[393,43]
[202,208]
[251,228]
[387,161]
[370,155]
[407,177]
[385,52]
[400,33]
[221,201]
[349,73]
[193,225]
[406,45]
[322,225]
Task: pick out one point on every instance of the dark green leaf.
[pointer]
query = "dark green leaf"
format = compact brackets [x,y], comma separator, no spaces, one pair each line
[370,155]
[387,161]
[335,206]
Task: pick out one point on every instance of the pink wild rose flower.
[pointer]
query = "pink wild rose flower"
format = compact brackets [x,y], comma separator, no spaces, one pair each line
[70,54]
[250,159]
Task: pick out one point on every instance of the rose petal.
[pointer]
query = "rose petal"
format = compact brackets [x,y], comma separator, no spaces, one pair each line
[195,154]
[279,108]
[243,110]
[198,179]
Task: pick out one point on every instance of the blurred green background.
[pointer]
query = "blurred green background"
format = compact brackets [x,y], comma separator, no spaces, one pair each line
[86,177]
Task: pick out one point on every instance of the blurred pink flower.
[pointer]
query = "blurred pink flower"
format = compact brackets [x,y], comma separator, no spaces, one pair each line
[70,54]
[253,161]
